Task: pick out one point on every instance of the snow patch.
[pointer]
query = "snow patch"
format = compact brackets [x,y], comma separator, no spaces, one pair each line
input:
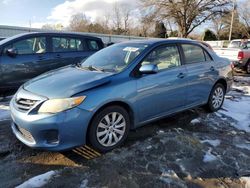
[168,176]
[241,79]
[209,157]
[233,132]
[195,121]
[149,147]
[244,89]
[217,114]
[239,111]
[84,184]
[243,146]
[160,132]
[237,107]
[214,143]
[38,181]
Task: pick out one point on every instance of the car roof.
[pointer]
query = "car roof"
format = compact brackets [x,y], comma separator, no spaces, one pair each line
[159,40]
[48,33]
[63,33]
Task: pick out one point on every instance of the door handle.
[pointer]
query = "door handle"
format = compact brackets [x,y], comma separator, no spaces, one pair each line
[58,56]
[40,58]
[212,68]
[181,75]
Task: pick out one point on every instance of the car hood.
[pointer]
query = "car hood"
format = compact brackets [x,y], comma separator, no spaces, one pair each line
[65,82]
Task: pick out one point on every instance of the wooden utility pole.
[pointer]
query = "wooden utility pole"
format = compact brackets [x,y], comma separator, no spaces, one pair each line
[232,20]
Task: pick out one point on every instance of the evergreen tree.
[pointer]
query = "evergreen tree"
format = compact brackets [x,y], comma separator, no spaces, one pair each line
[209,35]
[160,30]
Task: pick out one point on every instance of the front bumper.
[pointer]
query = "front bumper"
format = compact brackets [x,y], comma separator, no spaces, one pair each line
[54,132]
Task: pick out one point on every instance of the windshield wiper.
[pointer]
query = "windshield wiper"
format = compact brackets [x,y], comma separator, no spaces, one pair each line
[79,65]
[91,67]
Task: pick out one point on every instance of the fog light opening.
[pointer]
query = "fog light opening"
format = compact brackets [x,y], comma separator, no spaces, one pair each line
[51,137]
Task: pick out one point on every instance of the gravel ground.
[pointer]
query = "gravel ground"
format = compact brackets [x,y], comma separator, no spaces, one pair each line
[189,149]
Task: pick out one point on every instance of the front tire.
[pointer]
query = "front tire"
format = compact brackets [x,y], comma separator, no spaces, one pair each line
[109,128]
[216,98]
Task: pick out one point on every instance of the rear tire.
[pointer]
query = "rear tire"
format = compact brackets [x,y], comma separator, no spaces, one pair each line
[248,67]
[109,128]
[216,98]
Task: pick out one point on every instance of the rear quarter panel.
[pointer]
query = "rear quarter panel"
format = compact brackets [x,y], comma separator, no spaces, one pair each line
[223,66]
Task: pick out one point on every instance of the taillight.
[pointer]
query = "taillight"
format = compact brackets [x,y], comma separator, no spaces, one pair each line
[240,55]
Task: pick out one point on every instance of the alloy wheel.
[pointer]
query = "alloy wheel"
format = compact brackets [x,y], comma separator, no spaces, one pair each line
[111,129]
[217,98]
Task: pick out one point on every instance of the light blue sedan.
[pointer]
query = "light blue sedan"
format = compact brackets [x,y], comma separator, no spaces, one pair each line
[119,88]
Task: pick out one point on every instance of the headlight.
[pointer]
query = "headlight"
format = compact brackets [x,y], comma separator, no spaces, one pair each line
[59,105]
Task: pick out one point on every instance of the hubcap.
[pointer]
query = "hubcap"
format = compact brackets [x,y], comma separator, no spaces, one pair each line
[217,97]
[111,129]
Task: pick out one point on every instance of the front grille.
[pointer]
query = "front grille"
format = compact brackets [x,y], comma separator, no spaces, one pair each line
[25,104]
[26,134]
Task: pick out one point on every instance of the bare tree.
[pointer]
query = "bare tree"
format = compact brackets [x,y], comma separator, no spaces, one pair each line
[219,24]
[49,27]
[117,19]
[105,22]
[244,15]
[187,14]
[147,23]
[126,18]
[121,18]
[53,26]
[79,22]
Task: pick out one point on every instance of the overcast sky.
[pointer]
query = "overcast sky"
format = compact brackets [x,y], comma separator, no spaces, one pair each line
[40,12]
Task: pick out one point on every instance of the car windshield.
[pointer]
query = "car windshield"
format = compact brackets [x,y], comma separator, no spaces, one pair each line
[10,38]
[114,58]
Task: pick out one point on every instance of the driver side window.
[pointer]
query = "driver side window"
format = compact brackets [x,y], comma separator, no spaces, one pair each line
[36,45]
[164,57]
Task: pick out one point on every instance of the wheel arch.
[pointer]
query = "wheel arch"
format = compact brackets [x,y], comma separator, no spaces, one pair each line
[122,104]
[223,82]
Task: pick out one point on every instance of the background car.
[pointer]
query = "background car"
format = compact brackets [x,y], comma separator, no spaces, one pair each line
[25,56]
[119,88]
[240,57]
[206,44]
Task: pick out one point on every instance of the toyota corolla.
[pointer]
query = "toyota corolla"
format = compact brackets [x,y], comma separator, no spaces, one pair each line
[119,88]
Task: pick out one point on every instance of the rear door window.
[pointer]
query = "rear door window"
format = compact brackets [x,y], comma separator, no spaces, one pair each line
[63,44]
[35,45]
[93,45]
[193,53]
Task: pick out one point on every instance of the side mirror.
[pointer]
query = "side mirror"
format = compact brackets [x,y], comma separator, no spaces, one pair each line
[148,69]
[12,52]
